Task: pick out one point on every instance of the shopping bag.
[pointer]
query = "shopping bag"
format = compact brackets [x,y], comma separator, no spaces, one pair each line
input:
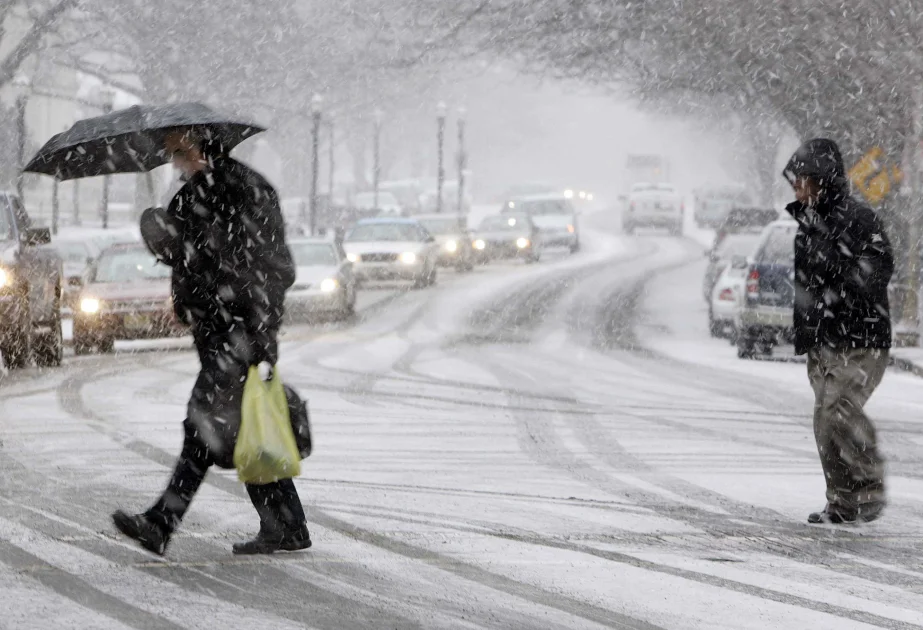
[265,451]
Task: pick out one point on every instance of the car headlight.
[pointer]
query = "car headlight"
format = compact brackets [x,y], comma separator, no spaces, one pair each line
[408,258]
[522,243]
[329,285]
[451,246]
[353,258]
[6,278]
[479,244]
[89,305]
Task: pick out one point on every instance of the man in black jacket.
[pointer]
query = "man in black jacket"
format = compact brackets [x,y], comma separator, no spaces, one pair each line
[843,264]
[231,268]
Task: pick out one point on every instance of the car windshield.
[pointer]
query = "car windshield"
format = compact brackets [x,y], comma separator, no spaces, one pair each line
[73,252]
[504,223]
[779,247]
[314,254]
[129,265]
[440,226]
[737,245]
[541,207]
[385,232]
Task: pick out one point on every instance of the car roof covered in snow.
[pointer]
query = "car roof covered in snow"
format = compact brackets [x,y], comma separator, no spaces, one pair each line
[379,220]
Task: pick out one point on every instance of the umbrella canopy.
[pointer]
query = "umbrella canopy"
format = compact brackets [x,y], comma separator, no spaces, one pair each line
[131,140]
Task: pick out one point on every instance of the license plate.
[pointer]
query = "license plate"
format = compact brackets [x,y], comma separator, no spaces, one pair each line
[137,322]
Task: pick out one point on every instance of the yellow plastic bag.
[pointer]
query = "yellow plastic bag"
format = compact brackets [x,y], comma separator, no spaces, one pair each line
[265,451]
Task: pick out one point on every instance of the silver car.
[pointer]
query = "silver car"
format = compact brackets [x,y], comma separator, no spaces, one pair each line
[388,249]
[325,282]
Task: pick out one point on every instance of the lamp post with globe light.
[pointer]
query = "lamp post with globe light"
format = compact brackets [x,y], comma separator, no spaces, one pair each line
[316,102]
[376,156]
[440,142]
[462,160]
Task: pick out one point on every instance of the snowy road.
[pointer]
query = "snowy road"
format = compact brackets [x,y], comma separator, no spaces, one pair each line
[550,446]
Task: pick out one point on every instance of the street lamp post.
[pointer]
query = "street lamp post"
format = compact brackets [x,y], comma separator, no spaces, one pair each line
[376,156]
[331,151]
[462,160]
[107,104]
[440,141]
[315,162]
[21,143]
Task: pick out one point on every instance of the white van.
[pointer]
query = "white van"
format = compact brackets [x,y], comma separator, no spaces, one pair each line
[653,206]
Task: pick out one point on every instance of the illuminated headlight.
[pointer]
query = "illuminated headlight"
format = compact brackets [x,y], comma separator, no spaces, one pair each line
[6,278]
[522,243]
[353,258]
[568,194]
[570,229]
[89,305]
[479,244]
[329,285]
[451,246]
[408,258]
[583,194]
[589,196]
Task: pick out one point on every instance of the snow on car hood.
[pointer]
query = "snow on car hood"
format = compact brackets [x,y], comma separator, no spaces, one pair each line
[382,247]
[553,221]
[502,235]
[314,274]
[7,253]
[144,290]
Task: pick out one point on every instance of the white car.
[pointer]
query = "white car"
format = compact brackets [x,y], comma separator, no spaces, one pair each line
[653,206]
[324,282]
[386,249]
[387,203]
[554,215]
[727,298]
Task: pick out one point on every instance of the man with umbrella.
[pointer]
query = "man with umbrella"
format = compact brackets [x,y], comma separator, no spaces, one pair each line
[224,238]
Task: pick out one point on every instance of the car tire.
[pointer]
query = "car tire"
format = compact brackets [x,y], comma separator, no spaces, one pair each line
[50,350]
[714,327]
[17,350]
[82,346]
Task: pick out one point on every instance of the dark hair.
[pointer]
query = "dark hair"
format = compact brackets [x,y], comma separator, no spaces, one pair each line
[206,138]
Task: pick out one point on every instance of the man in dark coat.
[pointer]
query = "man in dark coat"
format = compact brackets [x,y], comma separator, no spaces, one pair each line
[231,268]
[843,264]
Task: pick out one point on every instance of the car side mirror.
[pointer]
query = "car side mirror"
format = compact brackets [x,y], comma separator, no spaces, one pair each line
[33,237]
[739,262]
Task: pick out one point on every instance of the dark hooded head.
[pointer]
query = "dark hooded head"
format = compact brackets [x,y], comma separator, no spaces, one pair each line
[819,161]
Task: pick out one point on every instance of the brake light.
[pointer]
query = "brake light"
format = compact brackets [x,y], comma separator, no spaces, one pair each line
[726,295]
[753,284]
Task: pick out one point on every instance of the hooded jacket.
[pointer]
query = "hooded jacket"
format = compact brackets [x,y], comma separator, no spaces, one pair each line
[843,259]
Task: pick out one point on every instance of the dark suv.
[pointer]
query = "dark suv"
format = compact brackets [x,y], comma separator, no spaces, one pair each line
[30,290]
[766,317]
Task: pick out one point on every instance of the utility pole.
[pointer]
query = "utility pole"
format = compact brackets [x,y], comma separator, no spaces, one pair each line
[440,145]
[315,162]
[462,161]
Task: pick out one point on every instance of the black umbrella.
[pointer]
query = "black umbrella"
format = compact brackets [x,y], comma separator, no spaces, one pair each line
[131,140]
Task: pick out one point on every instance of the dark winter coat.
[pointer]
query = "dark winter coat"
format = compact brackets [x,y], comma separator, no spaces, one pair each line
[843,259]
[236,267]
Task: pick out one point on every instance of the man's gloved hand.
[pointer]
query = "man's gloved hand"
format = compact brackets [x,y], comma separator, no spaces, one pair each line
[265,370]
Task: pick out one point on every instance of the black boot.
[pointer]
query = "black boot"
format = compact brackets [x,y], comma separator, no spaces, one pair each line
[832,515]
[137,527]
[267,542]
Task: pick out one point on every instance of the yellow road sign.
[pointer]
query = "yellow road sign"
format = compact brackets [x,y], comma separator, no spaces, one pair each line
[874,177]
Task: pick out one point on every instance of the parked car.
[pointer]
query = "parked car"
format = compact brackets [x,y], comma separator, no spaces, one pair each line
[31,290]
[454,240]
[325,282]
[712,205]
[765,319]
[385,249]
[508,235]
[78,256]
[727,298]
[719,258]
[653,206]
[127,296]
[555,216]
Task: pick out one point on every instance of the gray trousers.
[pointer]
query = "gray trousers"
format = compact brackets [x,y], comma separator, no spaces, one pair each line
[843,381]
